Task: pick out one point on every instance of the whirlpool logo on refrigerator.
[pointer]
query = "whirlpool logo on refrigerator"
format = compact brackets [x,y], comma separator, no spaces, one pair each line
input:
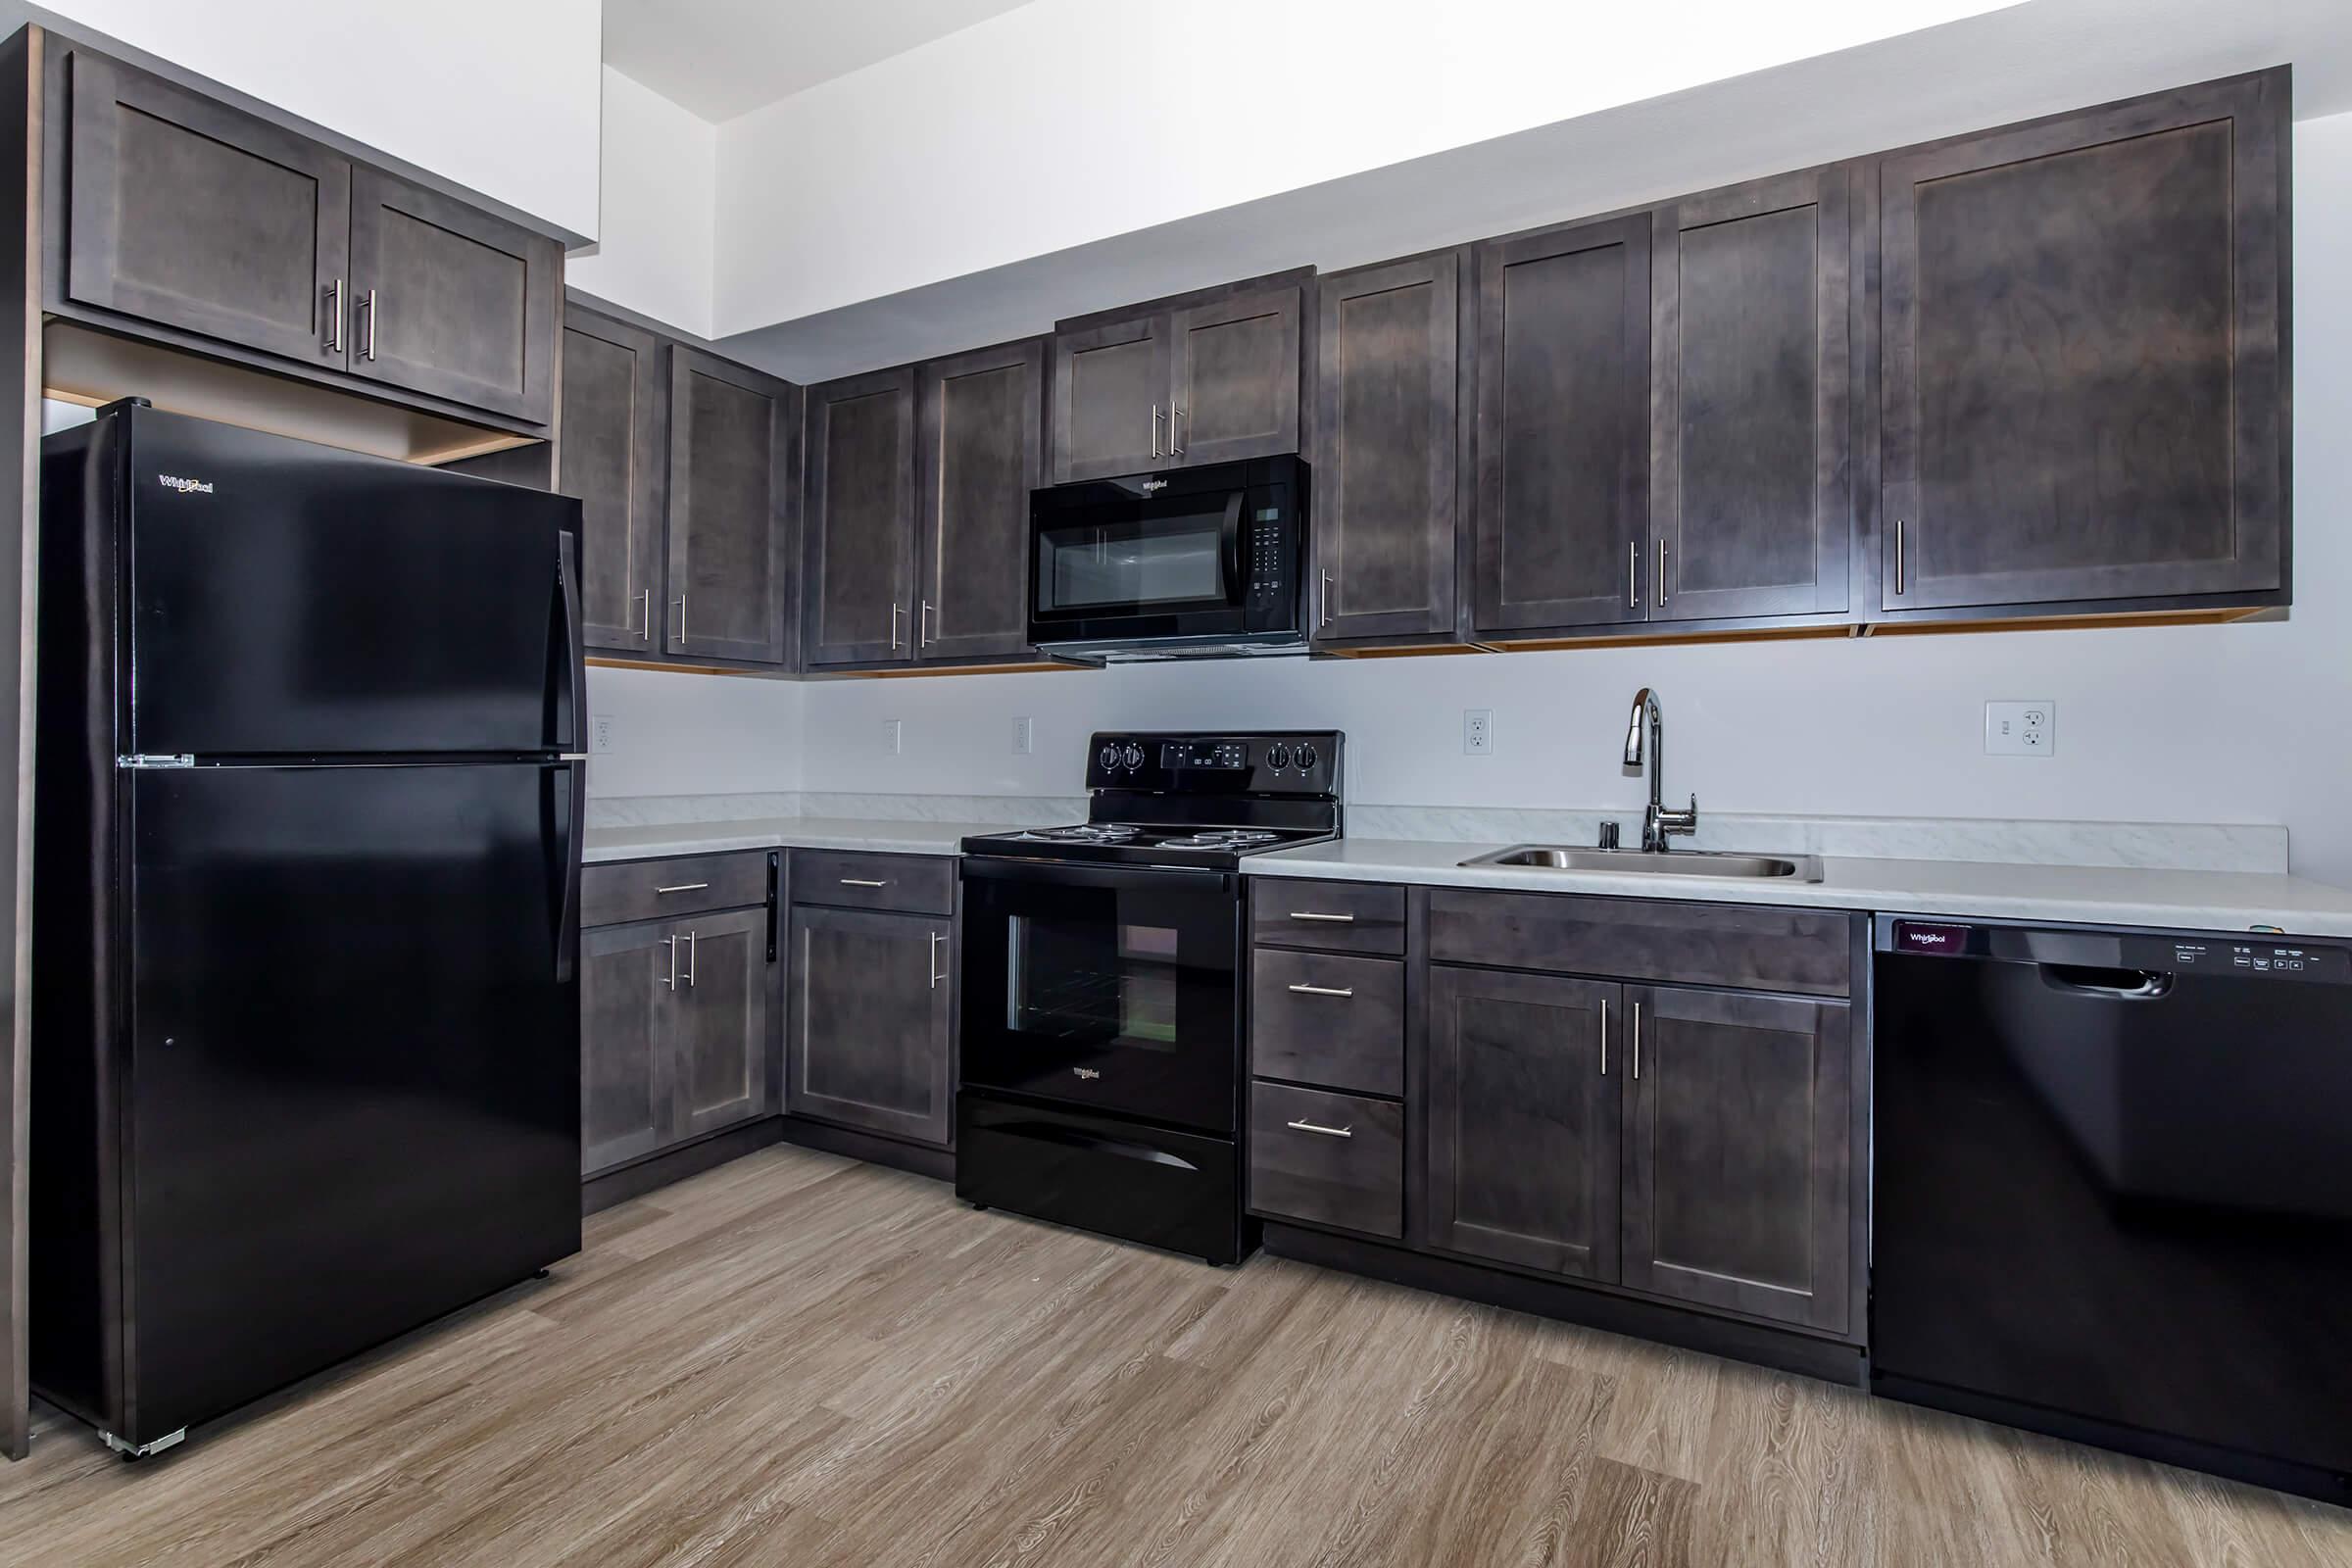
[186,486]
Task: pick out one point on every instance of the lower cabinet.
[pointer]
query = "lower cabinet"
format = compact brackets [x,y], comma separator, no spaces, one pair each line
[870,1034]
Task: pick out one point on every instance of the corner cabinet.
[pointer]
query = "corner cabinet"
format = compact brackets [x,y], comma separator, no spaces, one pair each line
[860,520]
[614,459]
[731,581]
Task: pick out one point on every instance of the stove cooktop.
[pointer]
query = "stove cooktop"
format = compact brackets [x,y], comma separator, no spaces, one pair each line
[1142,842]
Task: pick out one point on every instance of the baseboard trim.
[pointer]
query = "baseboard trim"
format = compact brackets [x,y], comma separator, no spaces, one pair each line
[1827,1360]
[603,1191]
[939,1163]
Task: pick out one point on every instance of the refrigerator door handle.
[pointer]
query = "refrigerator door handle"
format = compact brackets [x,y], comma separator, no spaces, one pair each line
[575,841]
[566,709]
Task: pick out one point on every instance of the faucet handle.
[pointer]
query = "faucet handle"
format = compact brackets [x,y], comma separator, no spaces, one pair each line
[1608,834]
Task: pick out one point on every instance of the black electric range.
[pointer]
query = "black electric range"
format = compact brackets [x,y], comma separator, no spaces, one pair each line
[1101,1001]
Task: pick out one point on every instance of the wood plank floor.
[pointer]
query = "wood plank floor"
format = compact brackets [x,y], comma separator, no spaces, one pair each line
[799,1360]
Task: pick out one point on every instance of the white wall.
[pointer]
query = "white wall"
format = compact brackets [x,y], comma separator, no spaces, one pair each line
[682,734]
[2210,725]
[661,203]
[499,97]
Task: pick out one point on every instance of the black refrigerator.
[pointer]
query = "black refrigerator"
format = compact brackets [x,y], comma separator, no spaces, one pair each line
[306,847]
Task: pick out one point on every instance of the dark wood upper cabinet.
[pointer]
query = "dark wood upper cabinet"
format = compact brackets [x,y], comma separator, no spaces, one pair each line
[450,301]
[1386,451]
[186,212]
[1563,426]
[1739,1150]
[870,1035]
[981,451]
[2084,380]
[1750,448]
[1523,1119]
[731,586]
[1237,372]
[859,520]
[612,460]
[719,1035]
[1111,399]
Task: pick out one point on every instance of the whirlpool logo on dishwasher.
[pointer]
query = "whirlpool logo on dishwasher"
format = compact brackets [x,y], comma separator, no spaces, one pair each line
[186,486]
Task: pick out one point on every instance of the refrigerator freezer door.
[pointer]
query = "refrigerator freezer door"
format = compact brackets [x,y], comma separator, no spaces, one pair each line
[353,1077]
[286,599]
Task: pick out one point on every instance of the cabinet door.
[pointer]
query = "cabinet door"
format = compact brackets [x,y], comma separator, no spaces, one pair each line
[1750,454]
[1236,368]
[625,1089]
[869,1038]
[1523,1119]
[1563,426]
[860,520]
[2086,392]
[982,451]
[611,461]
[1111,391]
[718,1022]
[1738,1138]
[185,212]
[732,447]
[450,301]
[1387,446]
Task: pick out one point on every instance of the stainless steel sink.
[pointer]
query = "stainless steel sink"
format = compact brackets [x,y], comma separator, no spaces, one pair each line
[1673,862]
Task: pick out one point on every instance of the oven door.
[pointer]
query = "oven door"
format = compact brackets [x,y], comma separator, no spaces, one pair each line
[1104,986]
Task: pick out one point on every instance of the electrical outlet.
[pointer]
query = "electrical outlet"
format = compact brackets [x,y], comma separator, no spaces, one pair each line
[1022,737]
[2021,729]
[1478,731]
[893,735]
[599,732]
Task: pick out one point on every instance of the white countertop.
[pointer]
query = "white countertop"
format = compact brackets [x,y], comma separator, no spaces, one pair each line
[891,836]
[2096,894]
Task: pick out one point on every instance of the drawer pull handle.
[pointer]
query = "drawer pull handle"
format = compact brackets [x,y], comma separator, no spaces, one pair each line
[861,882]
[1310,914]
[684,887]
[1305,990]
[1328,1132]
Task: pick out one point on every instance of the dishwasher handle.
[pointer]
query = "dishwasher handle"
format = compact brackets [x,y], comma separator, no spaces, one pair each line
[2117,985]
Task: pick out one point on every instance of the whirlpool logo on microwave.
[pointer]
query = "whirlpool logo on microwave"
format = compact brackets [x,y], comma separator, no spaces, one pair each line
[186,486]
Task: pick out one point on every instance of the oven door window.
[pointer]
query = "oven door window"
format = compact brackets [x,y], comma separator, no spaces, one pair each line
[1157,557]
[1114,987]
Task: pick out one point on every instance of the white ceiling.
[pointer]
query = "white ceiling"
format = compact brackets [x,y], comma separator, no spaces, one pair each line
[720,57]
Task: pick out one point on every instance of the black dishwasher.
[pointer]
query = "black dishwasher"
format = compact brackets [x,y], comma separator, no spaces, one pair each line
[2114,1190]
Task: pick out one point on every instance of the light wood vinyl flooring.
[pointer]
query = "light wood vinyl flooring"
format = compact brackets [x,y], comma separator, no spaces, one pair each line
[799,1360]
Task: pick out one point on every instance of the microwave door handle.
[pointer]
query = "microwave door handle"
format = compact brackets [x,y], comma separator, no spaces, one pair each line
[1231,544]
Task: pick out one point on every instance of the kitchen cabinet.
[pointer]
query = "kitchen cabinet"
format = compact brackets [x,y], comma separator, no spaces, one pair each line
[1751,451]
[1208,377]
[613,459]
[1523,1117]
[1737,1152]
[1386,459]
[980,424]
[1563,427]
[870,1033]
[718,1061]
[2085,382]
[625,1108]
[860,520]
[732,589]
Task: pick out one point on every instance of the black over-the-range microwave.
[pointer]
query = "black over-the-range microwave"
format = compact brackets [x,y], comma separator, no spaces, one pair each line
[1190,562]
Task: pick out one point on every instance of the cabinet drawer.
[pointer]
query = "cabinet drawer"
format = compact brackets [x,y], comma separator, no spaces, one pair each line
[1641,939]
[1329,1159]
[920,884]
[1344,916]
[647,889]
[1321,1020]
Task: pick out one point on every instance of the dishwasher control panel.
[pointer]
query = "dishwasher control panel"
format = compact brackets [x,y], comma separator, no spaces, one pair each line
[2260,959]
[2253,955]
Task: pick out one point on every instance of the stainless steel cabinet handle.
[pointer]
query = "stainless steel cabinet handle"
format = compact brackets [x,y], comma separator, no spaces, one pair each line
[1604,1037]
[1637,1041]
[861,882]
[1175,447]
[895,613]
[368,338]
[644,617]
[672,979]
[931,964]
[1324,991]
[677,633]
[684,887]
[1155,429]
[1326,618]
[1661,571]
[692,948]
[1898,555]
[334,316]
[1633,570]
[1310,914]
[922,625]
[1328,1132]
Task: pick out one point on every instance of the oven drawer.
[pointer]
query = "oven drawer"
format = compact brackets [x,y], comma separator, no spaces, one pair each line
[917,884]
[616,893]
[1318,1018]
[1179,1190]
[1339,916]
[1328,1160]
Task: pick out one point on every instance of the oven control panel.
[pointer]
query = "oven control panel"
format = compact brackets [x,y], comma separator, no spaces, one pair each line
[1284,763]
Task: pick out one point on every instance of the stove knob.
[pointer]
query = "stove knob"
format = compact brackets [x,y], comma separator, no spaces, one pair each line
[1278,756]
[1133,756]
[1305,756]
[1109,758]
